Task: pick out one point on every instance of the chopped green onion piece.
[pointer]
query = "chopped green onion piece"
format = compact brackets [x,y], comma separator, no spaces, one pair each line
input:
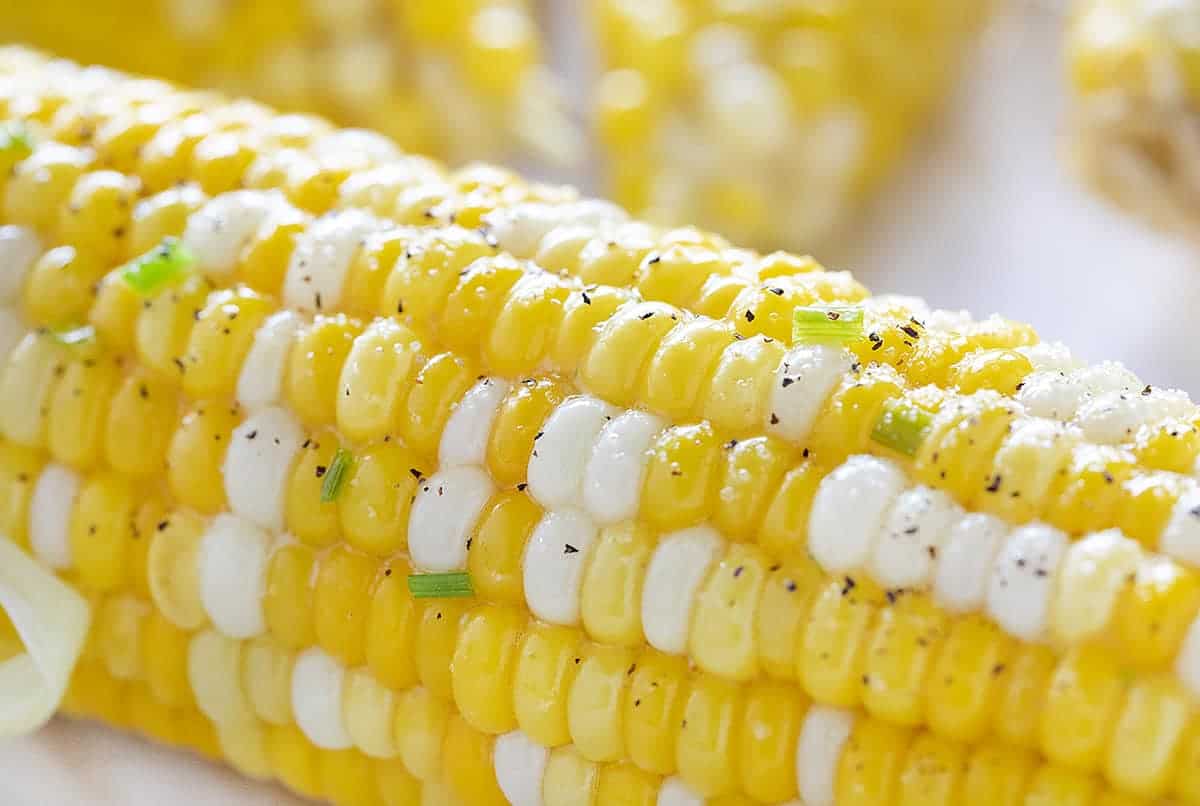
[162,265]
[343,460]
[902,427]
[454,585]
[827,324]
[76,336]
[15,140]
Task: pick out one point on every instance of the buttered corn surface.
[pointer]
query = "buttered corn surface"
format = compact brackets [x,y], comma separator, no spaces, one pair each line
[248,410]
[1135,70]
[767,121]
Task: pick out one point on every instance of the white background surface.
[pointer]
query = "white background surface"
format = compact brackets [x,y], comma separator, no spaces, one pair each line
[985,217]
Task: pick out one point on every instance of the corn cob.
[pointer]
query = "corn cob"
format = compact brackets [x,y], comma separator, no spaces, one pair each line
[452,77]
[449,488]
[768,121]
[1135,71]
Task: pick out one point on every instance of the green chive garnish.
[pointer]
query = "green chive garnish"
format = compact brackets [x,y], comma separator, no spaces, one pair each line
[454,585]
[75,336]
[161,266]
[15,141]
[827,324]
[902,427]
[343,460]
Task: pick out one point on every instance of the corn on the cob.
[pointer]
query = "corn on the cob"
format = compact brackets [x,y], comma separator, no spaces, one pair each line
[447,490]
[452,77]
[767,121]
[1135,71]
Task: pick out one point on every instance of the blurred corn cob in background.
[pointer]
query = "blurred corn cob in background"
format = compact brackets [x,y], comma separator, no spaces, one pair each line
[767,121]
[460,79]
[1134,66]
[411,486]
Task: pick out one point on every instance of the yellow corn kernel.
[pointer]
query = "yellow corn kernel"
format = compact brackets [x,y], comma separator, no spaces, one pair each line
[439,385]
[612,262]
[369,271]
[196,455]
[1086,690]
[517,423]
[1154,613]
[869,769]
[149,515]
[264,261]
[526,325]
[163,215]
[560,248]
[1091,577]
[767,741]
[164,650]
[581,324]
[966,679]
[374,379]
[29,378]
[653,710]
[613,367]
[165,324]
[101,531]
[19,467]
[784,527]
[676,274]
[959,449]
[570,779]
[467,765]
[267,679]
[396,786]
[1146,503]
[840,628]
[1027,462]
[294,760]
[674,375]
[705,748]
[718,295]
[1000,370]
[722,639]
[681,477]
[244,748]
[595,704]
[934,354]
[437,638]
[166,157]
[471,307]
[314,365]
[114,312]
[1185,783]
[1026,681]
[288,597]
[851,412]
[1085,498]
[1057,786]
[739,389]
[314,521]
[611,595]
[374,502]
[222,335]
[752,470]
[424,276]
[119,636]
[391,629]
[933,773]
[548,660]
[782,613]
[341,602]
[1171,445]
[346,777]
[173,567]
[625,785]
[95,219]
[899,658]
[36,190]
[141,419]
[420,727]
[487,640]
[498,547]
[369,710]
[78,406]
[1147,737]
[60,286]
[220,160]
[997,773]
